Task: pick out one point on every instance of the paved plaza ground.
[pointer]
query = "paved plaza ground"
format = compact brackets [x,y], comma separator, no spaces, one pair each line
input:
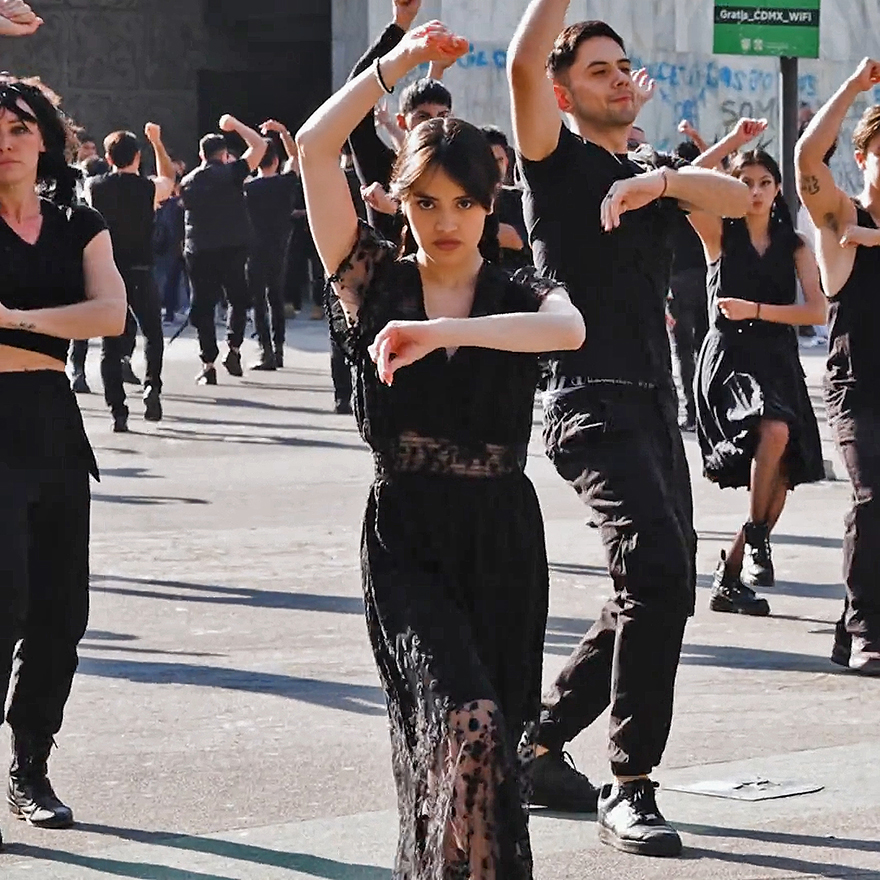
[227,722]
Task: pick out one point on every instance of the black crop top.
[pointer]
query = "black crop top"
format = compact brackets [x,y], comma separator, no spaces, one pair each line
[48,273]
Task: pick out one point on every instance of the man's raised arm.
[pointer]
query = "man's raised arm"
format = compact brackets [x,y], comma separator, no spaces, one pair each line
[373,159]
[828,205]
[256,146]
[165,173]
[536,117]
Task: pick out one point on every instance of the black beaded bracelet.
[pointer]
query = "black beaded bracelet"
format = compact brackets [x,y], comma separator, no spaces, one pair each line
[378,71]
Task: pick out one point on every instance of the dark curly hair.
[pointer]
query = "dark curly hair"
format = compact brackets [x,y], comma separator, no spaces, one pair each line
[56,177]
[781,222]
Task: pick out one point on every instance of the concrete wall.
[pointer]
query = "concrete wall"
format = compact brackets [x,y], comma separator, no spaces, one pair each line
[673,38]
[118,63]
[181,63]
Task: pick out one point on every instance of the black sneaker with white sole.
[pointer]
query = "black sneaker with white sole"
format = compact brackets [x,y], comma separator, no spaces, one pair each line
[630,821]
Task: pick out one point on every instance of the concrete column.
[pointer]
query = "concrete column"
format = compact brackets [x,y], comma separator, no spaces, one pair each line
[351,36]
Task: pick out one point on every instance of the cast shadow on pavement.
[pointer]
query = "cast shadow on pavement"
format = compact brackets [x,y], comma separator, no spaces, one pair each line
[730,657]
[564,633]
[704,581]
[784,863]
[257,426]
[130,472]
[796,540]
[312,866]
[252,439]
[358,698]
[244,596]
[582,570]
[146,500]
[247,403]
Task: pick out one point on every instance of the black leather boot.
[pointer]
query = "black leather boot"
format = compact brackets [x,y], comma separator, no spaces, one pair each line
[757,568]
[30,794]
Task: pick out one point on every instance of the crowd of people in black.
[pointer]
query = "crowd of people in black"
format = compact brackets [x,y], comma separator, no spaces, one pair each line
[447,273]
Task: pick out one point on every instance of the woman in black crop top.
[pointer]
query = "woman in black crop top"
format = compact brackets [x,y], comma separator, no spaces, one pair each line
[59,282]
[755,422]
[444,348]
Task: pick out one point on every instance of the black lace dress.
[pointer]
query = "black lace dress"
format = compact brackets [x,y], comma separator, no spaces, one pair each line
[751,370]
[454,570]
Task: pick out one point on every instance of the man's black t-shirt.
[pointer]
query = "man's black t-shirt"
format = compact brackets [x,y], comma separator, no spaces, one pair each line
[617,279]
[270,201]
[216,216]
[127,204]
[689,254]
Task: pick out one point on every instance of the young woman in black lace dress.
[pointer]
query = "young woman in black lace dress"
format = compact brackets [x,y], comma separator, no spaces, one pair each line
[755,422]
[454,565]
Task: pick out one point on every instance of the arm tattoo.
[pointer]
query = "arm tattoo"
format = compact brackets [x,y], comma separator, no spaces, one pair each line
[832,223]
[811,185]
[26,325]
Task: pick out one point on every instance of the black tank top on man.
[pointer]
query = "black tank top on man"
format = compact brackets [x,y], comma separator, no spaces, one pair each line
[48,273]
[127,204]
[853,370]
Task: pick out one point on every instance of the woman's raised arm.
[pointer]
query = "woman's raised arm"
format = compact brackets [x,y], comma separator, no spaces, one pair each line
[332,216]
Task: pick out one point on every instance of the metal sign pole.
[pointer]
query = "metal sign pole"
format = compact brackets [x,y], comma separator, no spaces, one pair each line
[788,128]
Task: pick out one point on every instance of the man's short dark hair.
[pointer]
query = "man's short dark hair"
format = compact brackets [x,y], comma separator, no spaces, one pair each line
[495,136]
[271,155]
[424,91]
[122,147]
[565,49]
[212,145]
[95,166]
[687,150]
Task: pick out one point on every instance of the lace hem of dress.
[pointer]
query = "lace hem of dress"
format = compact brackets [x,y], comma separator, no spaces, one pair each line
[464,796]
[414,454]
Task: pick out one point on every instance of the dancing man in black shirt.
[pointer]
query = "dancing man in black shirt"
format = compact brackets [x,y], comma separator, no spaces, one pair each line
[600,222]
[217,241]
[849,258]
[270,199]
[128,203]
[421,100]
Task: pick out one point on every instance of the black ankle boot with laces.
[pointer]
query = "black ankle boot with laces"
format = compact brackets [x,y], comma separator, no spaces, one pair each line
[757,570]
[30,794]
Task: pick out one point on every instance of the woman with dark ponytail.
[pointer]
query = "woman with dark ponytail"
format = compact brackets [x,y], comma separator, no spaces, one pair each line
[755,422]
[59,283]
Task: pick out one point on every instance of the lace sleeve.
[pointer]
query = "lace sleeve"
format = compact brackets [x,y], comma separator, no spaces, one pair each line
[534,287]
[350,288]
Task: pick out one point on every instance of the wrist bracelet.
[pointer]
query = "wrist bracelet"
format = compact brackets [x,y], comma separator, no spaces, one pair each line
[377,70]
[665,177]
[758,312]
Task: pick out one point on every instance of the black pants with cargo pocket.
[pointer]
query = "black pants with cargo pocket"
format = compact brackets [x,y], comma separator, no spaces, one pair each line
[620,448]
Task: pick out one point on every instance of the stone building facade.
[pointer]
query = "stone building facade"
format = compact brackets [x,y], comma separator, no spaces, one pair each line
[181,63]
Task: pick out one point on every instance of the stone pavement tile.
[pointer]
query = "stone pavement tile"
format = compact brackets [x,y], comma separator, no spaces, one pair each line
[829,834]
[227,720]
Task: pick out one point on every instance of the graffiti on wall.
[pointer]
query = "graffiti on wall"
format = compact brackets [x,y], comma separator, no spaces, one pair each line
[712,93]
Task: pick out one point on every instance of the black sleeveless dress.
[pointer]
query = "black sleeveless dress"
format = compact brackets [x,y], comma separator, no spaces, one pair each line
[454,569]
[751,370]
